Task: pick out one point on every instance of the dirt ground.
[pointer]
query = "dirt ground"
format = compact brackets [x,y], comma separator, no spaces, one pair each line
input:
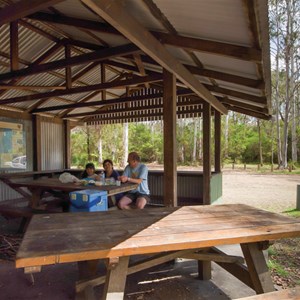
[276,193]
[272,192]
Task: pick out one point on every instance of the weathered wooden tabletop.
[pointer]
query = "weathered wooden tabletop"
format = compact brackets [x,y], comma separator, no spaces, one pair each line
[56,184]
[71,237]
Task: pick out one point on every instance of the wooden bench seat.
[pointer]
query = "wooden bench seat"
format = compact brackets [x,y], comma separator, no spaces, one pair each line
[18,208]
[286,294]
[14,208]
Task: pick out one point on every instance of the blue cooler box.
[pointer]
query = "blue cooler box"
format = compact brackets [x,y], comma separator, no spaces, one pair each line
[88,200]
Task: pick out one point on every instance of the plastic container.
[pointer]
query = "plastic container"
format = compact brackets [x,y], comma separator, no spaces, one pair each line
[88,200]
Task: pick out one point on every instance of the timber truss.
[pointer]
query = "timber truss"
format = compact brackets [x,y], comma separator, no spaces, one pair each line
[102,61]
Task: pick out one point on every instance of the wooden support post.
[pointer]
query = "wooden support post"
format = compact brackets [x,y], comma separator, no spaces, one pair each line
[258,269]
[116,279]
[67,143]
[103,80]
[68,69]
[206,152]
[217,141]
[37,161]
[204,267]
[14,46]
[170,158]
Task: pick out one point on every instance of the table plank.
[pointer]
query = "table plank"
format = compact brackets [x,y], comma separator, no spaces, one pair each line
[56,184]
[80,236]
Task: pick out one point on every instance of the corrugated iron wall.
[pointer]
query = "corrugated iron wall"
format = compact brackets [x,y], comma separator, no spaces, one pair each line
[52,143]
[189,187]
[5,191]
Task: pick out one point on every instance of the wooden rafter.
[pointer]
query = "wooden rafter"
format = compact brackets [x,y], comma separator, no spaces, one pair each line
[235,51]
[214,47]
[117,17]
[217,75]
[80,59]
[244,81]
[14,46]
[23,8]
[84,89]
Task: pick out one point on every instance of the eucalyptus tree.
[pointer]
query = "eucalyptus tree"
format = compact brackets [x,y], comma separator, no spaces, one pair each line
[284,29]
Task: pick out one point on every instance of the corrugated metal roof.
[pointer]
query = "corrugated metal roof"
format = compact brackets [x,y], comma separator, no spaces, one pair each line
[230,73]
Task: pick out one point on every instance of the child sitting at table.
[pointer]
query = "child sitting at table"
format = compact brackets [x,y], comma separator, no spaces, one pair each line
[90,172]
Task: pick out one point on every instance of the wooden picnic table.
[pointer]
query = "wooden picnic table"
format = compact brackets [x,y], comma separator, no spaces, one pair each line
[188,231]
[38,186]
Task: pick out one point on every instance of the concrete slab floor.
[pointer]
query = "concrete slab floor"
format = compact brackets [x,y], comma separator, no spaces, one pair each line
[176,281]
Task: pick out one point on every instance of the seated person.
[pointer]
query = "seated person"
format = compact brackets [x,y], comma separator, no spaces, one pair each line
[109,169]
[111,173]
[90,172]
[135,172]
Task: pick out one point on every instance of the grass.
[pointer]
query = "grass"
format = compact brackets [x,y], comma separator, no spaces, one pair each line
[279,269]
[266,168]
[293,213]
[273,265]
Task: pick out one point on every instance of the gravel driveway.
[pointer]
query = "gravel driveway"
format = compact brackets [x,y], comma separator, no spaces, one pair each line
[276,193]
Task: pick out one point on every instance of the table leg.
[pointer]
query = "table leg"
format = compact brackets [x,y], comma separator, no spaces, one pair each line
[204,268]
[35,198]
[87,269]
[116,278]
[257,267]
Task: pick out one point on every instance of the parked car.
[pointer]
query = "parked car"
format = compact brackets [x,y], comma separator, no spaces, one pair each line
[18,162]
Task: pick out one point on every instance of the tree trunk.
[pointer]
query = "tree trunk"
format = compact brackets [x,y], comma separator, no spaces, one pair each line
[277,100]
[287,56]
[200,154]
[293,98]
[260,143]
[88,144]
[195,141]
[125,143]
[226,130]
[100,153]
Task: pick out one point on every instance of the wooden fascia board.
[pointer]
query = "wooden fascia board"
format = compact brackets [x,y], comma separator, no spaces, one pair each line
[23,8]
[116,15]
[84,89]
[196,44]
[76,60]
